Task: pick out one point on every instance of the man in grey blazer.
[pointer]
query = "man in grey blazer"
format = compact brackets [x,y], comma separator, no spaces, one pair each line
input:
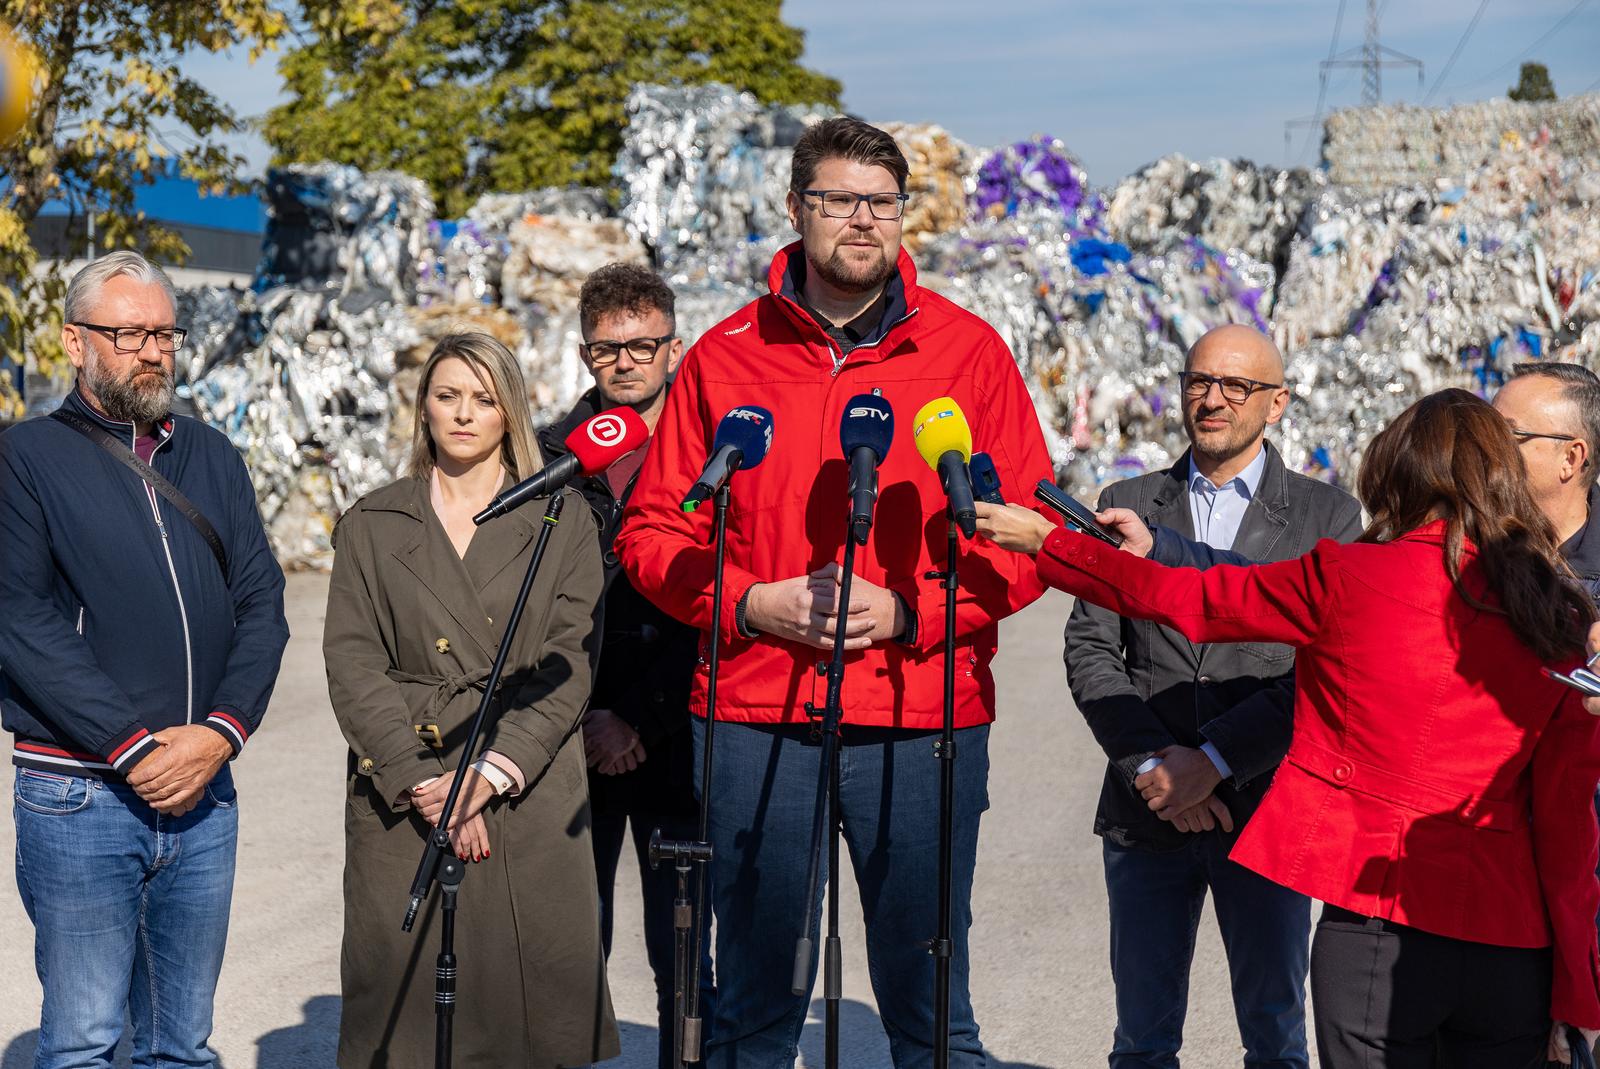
[1193,733]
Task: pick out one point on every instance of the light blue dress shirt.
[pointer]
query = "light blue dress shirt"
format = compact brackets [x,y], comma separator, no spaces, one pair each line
[1216,512]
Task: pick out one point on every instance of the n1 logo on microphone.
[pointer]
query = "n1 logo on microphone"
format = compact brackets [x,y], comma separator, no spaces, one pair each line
[607,429]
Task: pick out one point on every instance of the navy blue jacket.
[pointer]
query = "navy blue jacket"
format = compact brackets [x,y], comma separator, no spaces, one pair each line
[115,624]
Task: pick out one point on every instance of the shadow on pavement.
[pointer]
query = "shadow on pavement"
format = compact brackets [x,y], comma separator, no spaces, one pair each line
[862,1043]
[311,1044]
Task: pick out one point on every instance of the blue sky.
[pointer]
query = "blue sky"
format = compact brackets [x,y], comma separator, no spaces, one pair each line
[1126,81]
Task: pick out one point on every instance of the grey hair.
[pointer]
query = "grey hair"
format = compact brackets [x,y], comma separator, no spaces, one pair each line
[1582,392]
[84,290]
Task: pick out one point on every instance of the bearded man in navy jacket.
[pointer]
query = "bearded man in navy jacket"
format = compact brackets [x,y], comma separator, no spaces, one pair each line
[140,638]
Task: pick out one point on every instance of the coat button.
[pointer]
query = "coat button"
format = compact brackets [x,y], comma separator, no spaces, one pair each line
[1205,681]
[1342,773]
[366,766]
[611,560]
[442,645]
[1469,810]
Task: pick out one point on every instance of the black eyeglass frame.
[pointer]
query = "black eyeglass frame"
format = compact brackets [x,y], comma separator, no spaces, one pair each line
[655,350]
[1523,436]
[1223,382]
[179,336]
[860,198]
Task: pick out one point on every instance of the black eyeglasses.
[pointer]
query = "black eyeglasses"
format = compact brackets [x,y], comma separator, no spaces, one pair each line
[1234,388]
[640,350]
[842,204]
[1523,436]
[132,339]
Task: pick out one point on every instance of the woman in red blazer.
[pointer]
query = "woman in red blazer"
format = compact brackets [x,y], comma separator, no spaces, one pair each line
[1439,792]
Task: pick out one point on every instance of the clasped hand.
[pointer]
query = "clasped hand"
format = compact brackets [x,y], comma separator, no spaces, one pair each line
[469,836]
[172,779]
[805,609]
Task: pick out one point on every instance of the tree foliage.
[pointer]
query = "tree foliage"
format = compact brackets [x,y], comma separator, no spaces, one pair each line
[480,95]
[1534,84]
[112,111]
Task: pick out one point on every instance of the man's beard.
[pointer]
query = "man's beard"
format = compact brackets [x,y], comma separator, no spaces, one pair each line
[144,396]
[852,278]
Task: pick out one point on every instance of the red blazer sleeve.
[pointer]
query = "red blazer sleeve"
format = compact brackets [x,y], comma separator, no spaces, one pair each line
[994,583]
[1286,601]
[1566,766]
[668,553]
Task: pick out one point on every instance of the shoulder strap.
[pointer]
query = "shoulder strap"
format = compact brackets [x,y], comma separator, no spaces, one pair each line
[157,482]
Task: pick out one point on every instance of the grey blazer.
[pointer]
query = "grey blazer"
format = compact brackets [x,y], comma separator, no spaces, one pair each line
[1142,687]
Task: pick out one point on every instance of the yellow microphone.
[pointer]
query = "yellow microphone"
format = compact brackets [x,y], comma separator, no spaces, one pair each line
[944,439]
[18,68]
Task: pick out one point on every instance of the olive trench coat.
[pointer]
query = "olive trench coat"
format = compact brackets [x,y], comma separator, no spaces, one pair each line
[411,633]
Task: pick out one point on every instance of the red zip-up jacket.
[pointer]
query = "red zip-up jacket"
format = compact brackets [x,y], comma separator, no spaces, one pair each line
[788,515]
[1436,778]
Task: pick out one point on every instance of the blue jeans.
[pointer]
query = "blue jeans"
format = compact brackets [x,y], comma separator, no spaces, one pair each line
[1156,899]
[660,889]
[130,915]
[764,790]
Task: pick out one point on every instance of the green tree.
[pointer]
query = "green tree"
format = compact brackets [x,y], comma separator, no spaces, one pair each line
[1534,84]
[481,95]
[112,111]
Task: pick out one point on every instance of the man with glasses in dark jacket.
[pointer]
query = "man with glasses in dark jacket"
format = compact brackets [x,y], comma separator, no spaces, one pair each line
[1194,733]
[636,733]
[141,628]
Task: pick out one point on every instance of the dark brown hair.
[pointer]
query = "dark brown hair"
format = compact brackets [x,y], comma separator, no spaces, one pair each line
[617,288]
[845,138]
[1452,456]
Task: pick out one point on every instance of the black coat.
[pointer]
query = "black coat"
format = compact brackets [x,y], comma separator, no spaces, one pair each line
[1143,687]
[647,658]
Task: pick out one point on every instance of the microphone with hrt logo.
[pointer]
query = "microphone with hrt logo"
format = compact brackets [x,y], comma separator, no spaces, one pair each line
[743,438]
[864,434]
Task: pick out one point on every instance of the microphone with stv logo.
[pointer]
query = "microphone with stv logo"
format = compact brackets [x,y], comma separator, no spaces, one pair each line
[864,434]
[592,447]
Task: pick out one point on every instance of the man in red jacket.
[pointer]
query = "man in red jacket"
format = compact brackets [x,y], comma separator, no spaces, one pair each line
[845,316]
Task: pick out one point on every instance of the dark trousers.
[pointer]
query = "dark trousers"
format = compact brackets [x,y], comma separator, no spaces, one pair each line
[642,814]
[1156,899]
[1392,997]
[763,793]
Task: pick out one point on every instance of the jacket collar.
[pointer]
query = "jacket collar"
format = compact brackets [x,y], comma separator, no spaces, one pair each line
[553,438]
[441,573]
[1582,550]
[75,403]
[904,297]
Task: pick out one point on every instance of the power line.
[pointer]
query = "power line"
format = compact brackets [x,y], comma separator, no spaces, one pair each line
[1450,65]
[1322,83]
[1548,34]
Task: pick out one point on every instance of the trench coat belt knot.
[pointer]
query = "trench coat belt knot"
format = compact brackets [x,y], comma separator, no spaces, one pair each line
[445,687]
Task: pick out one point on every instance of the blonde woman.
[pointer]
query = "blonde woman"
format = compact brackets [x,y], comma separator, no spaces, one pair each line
[416,608]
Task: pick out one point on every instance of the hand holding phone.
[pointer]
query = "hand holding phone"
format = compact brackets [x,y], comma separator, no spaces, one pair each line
[1078,516]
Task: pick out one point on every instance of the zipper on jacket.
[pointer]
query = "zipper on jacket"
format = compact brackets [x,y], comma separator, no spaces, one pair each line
[172,569]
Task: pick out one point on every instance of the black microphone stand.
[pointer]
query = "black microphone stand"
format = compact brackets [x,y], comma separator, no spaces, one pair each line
[688,948]
[826,818]
[439,862]
[942,945]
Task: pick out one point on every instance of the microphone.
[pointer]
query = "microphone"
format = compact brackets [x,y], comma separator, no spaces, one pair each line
[985,479]
[743,438]
[945,441]
[592,447]
[864,434]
